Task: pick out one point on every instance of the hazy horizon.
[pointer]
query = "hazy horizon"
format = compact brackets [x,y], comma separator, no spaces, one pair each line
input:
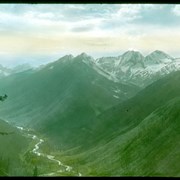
[37,61]
[41,33]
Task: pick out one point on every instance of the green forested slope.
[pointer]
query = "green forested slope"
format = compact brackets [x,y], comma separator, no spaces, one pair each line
[12,147]
[62,99]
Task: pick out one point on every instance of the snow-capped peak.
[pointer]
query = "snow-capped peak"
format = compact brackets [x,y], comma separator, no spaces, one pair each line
[84,58]
[160,53]
[132,54]
[158,57]
[84,55]
[134,68]
[130,58]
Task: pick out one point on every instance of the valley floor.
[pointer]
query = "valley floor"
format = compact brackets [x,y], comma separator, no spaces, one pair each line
[45,164]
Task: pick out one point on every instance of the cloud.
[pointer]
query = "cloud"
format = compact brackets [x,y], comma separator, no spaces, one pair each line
[39,29]
[64,18]
[49,19]
[127,12]
[176,10]
[82,29]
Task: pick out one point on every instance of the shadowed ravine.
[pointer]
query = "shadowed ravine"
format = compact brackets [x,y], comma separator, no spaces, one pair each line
[36,151]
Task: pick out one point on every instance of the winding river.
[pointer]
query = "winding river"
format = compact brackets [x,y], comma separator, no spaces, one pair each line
[36,151]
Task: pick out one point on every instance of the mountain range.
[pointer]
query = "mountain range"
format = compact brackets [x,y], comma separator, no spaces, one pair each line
[112,116]
[138,137]
[63,93]
[130,68]
[6,71]
[133,67]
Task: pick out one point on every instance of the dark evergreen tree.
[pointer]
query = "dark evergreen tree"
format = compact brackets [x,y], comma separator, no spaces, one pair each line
[35,172]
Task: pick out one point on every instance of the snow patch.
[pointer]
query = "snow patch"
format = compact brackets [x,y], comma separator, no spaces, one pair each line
[116,96]
[52,67]
[117,90]
[21,128]
[108,75]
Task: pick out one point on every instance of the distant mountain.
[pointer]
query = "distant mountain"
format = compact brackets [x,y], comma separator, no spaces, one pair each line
[4,71]
[21,68]
[133,67]
[66,94]
[158,57]
[132,59]
[138,137]
[129,68]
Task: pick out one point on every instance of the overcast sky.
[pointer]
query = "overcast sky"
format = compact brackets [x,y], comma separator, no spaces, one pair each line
[38,33]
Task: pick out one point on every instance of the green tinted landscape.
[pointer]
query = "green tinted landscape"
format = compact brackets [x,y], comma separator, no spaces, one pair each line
[69,112]
[78,97]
